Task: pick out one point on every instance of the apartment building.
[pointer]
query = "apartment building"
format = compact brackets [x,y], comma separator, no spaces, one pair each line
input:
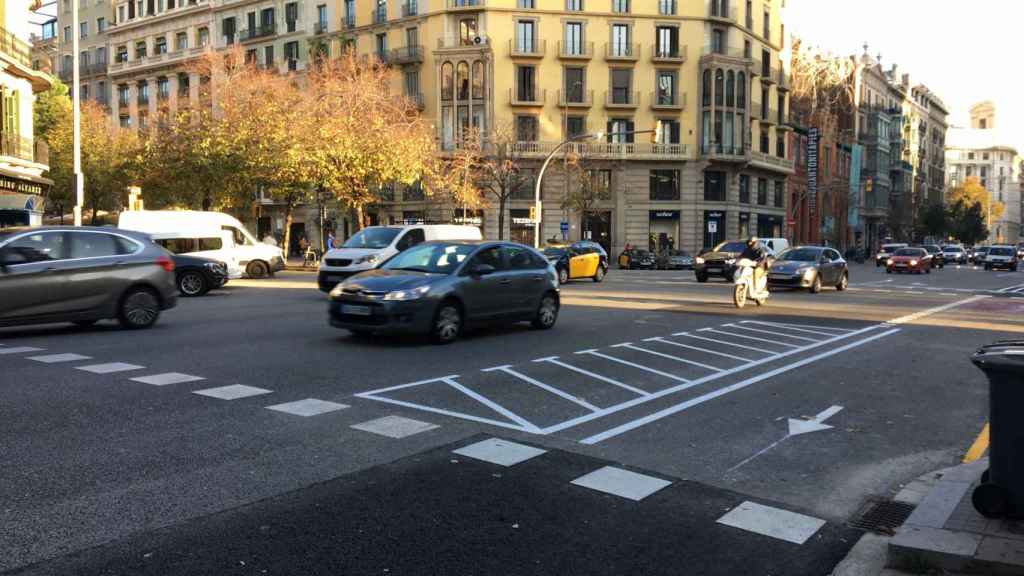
[273,33]
[985,153]
[708,70]
[45,51]
[95,18]
[23,160]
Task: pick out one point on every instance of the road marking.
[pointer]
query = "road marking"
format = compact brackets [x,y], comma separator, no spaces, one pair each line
[20,350]
[772,522]
[166,379]
[409,385]
[697,348]
[622,483]
[634,365]
[669,356]
[803,327]
[1007,274]
[232,392]
[797,426]
[755,338]
[394,426]
[109,368]
[979,446]
[56,358]
[556,391]
[307,407]
[628,426]
[918,315]
[554,360]
[745,347]
[500,452]
[805,338]
[1013,288]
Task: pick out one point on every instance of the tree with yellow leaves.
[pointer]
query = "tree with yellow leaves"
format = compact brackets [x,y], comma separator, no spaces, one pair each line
[971,192]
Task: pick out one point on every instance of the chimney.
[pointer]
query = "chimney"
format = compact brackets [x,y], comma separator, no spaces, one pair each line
[906,80]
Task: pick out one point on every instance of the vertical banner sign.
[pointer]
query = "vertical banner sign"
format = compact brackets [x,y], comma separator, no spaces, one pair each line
[852,212]
[812,170]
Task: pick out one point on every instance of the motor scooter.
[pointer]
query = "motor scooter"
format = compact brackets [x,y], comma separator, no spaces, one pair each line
[745,289]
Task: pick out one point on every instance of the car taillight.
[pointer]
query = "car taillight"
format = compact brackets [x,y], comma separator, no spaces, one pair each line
[166,263]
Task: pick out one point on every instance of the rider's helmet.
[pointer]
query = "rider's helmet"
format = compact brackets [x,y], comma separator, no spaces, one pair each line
[752,241]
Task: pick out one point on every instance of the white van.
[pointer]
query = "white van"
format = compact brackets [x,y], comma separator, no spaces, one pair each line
[210,234]
[775,245]
[375,244]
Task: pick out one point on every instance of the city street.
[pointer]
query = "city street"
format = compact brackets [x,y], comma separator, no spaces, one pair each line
[244,435]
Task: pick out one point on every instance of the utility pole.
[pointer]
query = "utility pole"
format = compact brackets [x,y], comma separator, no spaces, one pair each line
[76,117]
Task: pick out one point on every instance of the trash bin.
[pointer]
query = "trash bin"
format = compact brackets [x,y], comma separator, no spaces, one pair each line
[1001,492]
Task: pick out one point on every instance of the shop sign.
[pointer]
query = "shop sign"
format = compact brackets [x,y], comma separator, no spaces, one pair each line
[8,184]
[665,214]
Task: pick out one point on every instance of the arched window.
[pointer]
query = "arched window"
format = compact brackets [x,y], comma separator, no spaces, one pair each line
[741,91]
[478,79]
[706,89]
[719,86]
[730,89]
[447,70]
[462,80]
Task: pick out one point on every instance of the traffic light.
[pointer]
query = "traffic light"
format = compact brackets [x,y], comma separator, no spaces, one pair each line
[868,185]
[656,135]
[533,213]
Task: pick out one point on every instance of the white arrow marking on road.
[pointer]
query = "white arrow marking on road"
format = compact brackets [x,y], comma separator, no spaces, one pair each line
[797,427]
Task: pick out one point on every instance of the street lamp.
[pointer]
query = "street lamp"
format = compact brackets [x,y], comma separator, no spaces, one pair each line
[76,118]
[655,137]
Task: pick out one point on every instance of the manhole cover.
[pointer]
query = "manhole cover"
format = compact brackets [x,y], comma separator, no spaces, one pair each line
[881,515]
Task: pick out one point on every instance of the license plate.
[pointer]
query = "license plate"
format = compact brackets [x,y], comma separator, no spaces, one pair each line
[716,270]
[355,310]
[778,277]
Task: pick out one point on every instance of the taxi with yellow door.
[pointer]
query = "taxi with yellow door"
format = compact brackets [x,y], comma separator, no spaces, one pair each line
[583,259]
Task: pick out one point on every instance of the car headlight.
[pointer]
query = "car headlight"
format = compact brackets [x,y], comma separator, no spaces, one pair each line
[730,261]
[808,273]
[698,260]
[889,262]
[214,266]
[371,259]
[336,291]
[913,262]
[403,295]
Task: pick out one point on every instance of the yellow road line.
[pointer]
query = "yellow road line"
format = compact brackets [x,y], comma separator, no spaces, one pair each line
[978,448]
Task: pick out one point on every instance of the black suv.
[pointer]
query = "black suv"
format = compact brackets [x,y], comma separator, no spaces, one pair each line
[719,261]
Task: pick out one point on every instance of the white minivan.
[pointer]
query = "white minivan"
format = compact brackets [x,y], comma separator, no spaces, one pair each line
[775,245]
[210,234]
[375,244]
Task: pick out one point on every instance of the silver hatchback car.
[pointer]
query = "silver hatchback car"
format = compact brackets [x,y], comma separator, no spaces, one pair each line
[83,275]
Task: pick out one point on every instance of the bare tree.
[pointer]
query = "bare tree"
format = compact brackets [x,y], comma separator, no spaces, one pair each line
[499,170]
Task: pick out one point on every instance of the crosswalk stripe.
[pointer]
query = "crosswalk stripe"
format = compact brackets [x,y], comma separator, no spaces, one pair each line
[669,356]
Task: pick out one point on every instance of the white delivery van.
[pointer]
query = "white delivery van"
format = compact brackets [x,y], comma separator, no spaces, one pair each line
[210,234]
[375,244]
[775,245]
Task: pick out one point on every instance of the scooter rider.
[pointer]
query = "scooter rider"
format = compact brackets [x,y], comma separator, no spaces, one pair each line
[756,252]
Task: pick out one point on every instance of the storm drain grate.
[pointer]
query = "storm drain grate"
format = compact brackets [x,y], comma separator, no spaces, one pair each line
[881,515]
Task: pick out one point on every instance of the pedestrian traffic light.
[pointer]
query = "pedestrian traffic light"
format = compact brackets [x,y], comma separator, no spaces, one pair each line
[656,135]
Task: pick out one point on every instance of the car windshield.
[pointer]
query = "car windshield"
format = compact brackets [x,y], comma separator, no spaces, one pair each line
[731,247]
[800,255]
[891,247]
[983,249]
[554,252]
[932,249]
[913,252]
[375,238]
[952,249]
[431,258]
[1001,251]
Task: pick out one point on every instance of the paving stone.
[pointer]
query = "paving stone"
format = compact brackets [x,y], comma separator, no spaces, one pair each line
[937,507]
[623,483]
[915,547]
[501,452]
[1005,551]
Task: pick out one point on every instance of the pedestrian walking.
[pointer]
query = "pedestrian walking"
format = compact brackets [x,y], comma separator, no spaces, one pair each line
[330,240]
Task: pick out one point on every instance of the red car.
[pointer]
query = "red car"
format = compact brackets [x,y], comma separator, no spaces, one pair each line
[909,260]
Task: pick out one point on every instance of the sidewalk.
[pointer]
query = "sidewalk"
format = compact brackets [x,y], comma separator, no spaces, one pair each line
[294,264]
[944,534]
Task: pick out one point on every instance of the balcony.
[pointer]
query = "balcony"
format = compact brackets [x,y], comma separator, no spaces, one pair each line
[622,52]
[577,99]
[21,148]
[418,100]
[784,79]
[607,150]
[527,97]
[15,48]
[768,117]
[380,16]
[263,31]
[465,4]
[668,55]
[320,28]
[770,162]
[527,48]
[410,9]
[349,22]
[730,14]
[479,42]
[769,74]
[715,55]
[576,50]
[674,101]
[407,55]
[722,153]
[621,100]
[142,100]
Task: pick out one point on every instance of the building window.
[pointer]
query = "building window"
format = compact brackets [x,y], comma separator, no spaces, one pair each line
[412,82]
[780,146]
[574,5]
[667,7]
[268,55]
[203,37]
[183,85]
[667,41]
[780,191]
[984,155]
[142,89]
[622,84]
[478,79]
[160,45]
[666,88]
[291,16]
[575,126]
[526,128]
[574,84]
[67,34]
[381,42]
[122,54]
[620,131]
[462,81]
[83,29]
[468,31]
[83,59]
[181,41]
[101,25]
[620,5]
[767,32]
[525,83]
[526,4]
[163,88]
[124,121]
[573,38]
[321,18]
[350,13]
[291,55]
[266,22]
[447,81]
[620,40]
[122,94]
[670,132]
[718,41]
[664,185]
[762,192]
[84,92]
[744,189]
[140,50]
[714,186]
[120,14]
[526,39]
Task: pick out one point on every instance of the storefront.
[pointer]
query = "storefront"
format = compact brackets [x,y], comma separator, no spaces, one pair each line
[21,200]
[769,226]
[470,218]
[664,229]
[410,218]
[714,227]
[521,226]
[744,225]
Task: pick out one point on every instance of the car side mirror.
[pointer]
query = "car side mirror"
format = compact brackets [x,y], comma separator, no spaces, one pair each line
[483,270]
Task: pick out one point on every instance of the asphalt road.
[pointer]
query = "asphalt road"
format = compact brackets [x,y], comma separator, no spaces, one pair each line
[753,421]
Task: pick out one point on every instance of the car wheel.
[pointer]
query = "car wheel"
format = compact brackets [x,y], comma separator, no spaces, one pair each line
[702,278]
[547,313]
[84,323]
[257,269]
[844,283]
[927,270]
[140,307]
[599,275]
[888,271]
[563,276]
[987,267]
[816,285]
[447,323]
[192,283]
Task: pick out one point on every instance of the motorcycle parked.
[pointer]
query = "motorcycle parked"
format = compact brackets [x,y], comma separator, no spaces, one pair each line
[745,288]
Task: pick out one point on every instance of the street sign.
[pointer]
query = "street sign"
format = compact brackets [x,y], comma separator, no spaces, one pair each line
[564,226]
[713,226]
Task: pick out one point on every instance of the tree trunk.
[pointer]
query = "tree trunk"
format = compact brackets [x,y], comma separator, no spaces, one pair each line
[358,215]
[288,229]
[501,217]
